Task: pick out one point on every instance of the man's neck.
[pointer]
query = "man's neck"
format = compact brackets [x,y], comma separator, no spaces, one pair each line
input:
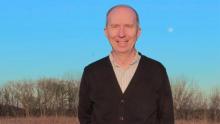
[124,59]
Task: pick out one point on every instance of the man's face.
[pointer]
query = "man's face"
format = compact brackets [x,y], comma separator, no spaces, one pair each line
[122,29]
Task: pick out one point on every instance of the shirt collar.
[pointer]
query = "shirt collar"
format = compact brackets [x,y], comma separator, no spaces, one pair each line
[134,61]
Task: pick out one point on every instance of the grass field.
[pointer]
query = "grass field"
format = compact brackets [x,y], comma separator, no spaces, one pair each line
[39,120]
[67,120]
[195,122]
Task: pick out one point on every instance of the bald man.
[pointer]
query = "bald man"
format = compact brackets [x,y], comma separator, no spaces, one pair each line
[125,87]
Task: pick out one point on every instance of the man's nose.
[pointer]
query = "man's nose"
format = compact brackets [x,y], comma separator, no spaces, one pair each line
[121,32]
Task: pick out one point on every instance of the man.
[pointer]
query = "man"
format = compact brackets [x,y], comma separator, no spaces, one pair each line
[125,87]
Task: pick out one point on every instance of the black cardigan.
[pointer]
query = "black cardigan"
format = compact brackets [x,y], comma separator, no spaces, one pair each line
[147,99]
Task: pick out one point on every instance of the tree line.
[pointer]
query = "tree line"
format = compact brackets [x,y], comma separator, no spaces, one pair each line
[44,97]
[191,103]
[58,97]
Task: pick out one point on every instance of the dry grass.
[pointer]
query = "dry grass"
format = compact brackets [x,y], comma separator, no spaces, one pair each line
[195,122]
[39,120]
[69,120]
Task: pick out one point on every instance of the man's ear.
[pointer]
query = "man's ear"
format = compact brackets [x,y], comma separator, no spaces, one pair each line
[139,31]
[105,31]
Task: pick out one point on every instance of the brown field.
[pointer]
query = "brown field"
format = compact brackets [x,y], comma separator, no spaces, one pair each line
[67,120]
[195,122]
[39,120]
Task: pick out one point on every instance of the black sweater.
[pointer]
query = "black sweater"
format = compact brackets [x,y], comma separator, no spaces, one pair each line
[147,99]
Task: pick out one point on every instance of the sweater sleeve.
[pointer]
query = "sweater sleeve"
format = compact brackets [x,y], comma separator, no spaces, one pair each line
[165,113]
[85,104]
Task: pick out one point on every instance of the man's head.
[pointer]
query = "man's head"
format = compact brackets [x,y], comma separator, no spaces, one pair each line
[136,14]
[122,28]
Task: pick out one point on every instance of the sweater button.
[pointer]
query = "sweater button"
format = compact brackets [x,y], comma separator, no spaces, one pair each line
[122,100]
[121,118]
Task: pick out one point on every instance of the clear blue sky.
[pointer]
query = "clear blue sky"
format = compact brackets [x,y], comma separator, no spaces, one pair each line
[54,38]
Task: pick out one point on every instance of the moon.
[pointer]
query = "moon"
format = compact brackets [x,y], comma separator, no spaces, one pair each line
[170,29]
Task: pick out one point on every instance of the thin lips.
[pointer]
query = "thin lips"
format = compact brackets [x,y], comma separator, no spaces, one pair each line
[122,41]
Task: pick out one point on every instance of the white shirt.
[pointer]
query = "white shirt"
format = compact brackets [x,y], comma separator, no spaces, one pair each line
[124,76]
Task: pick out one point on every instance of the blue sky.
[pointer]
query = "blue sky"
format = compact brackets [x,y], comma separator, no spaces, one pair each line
[54,38]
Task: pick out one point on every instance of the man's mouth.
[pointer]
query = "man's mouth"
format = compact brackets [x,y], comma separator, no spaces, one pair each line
[125,41]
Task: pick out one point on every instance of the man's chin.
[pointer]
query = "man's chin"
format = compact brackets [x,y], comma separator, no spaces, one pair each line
[122,51]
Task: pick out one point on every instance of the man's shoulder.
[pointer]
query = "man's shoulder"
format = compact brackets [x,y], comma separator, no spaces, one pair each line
[151,63]
[98,64]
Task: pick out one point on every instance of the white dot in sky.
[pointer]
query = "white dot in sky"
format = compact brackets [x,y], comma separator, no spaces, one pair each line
[170,29]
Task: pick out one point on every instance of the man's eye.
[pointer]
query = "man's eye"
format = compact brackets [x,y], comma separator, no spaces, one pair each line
[114,26]
[129,26]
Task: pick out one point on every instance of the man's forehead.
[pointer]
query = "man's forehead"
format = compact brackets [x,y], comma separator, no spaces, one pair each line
[122,9]
[121,12]
[122,15]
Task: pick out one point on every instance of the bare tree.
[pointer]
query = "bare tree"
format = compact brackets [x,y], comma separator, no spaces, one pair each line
[189,102]
[25,94]
[57,96]
[43,97]
[215,105]
[72,90]
[46,95]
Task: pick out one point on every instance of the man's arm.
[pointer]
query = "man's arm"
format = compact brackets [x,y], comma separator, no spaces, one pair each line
[85,104]
[165,114]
